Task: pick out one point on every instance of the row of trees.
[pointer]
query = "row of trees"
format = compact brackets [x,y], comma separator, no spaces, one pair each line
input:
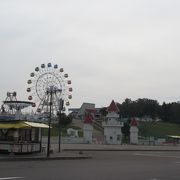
[167,112]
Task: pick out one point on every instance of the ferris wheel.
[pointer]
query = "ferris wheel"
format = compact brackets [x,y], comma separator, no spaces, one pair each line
[45,79]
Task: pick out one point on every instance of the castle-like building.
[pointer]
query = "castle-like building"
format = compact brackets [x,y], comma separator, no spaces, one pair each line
[112,125]
[133,131]
[88,128]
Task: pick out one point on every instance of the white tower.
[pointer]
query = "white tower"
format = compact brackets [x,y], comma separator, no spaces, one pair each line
[88,128]
[112,127]
[133,132]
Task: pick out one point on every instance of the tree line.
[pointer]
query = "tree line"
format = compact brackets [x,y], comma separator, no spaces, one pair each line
[167,112]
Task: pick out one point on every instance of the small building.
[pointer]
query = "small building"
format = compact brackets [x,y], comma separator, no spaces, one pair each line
[17,136]
[133,131]
[79,113]
[88,128]
[112,126]
[72,133]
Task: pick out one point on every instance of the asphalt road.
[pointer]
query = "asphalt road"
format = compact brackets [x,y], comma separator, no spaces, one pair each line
[103,166]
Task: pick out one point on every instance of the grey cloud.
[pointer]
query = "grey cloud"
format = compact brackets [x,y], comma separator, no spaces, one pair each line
[113,49]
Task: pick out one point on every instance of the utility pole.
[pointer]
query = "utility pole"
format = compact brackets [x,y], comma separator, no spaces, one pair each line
[59,132]
[59,118]
[49,129]
[51,91]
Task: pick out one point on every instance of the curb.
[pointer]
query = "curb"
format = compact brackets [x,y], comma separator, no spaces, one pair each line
[121,150]
[45,158]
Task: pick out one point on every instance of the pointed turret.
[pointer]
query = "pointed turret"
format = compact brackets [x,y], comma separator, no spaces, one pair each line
[133,122]
[88,128]
[113,107]
[112,125]
[133,131]
[112,110]
[88,119]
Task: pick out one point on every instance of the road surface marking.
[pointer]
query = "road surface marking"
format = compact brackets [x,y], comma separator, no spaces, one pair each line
[6,178]
[156,155]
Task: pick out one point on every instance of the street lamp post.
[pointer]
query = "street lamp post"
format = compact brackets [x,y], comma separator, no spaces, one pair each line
[59,118]
[49,129]
[59,133]
[52,90]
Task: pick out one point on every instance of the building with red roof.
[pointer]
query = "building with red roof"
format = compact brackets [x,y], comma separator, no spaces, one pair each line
[88,118]
[133,122]
[113,107]
[88,128]
[112,125]
[134,131]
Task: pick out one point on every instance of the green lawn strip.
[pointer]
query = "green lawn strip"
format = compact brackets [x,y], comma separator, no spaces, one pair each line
[55,131]
[158,129]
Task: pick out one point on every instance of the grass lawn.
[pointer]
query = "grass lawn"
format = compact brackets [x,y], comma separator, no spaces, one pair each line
[146,129]
[158,129]
[55,130]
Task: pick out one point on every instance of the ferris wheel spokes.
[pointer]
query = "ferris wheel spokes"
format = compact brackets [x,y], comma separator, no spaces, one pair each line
[49,78]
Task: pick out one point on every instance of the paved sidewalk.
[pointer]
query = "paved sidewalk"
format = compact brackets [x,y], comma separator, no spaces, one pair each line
[80,151]
[102,147]
[42,156]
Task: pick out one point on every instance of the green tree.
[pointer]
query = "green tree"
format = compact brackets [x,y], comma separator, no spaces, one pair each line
[126,131]
[64,120]
[103,111]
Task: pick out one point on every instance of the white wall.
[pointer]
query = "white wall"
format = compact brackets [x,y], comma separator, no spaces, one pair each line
[133,135]
[113,135]
[87,133]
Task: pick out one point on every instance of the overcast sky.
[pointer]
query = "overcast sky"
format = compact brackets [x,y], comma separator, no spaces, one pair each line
[111,49]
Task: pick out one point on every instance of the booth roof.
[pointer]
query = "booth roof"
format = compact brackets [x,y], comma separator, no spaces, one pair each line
[175,137]
[21,124]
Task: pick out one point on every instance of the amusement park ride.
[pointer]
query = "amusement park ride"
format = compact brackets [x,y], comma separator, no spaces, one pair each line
[12,108]
[50,86]
[49,93]
[44,81]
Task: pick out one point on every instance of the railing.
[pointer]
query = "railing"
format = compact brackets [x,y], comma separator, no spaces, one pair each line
[98,126]
[10,147]
[112,124]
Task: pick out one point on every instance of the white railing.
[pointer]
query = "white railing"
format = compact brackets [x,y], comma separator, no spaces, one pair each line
[112,124]
[20,147]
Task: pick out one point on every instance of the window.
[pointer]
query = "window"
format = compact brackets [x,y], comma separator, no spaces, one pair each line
[118,137]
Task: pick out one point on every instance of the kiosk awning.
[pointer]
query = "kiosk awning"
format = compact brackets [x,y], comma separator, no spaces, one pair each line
[175,137]
[23,124]
[38,125]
